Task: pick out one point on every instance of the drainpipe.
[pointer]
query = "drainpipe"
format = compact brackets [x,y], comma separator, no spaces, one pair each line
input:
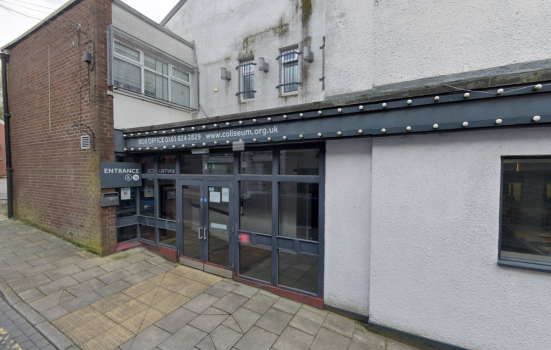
[5,56]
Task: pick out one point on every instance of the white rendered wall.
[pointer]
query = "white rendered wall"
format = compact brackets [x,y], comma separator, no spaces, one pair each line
[347,224]
[133,112]
[226,31]
[416,39]
[434,241]
[144,31]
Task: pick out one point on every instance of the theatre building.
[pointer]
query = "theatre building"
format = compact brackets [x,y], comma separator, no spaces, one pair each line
[379,159]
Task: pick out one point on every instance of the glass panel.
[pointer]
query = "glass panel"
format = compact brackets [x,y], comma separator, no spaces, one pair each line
[127,203]
[167,237]
[299,271]
[180,75]
[148,165]
[256,163]
[299,162]
[127,52]
[155,64]
[208,164]
[218,225]
[255,261]
[526,209]
[127,233]
[147,233]
[191,207]
[255,207]
[167,164]
[147,198]
[299,210]
[248,81]
[179,93]
[156,86]
[167,199]
[290,75]
[127,75]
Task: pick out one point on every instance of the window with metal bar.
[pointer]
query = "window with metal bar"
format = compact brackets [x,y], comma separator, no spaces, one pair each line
[289,61]
[247,78]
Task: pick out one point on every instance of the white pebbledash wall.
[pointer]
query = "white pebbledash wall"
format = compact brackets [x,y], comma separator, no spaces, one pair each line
[347,224]
[435,240]
[131,111]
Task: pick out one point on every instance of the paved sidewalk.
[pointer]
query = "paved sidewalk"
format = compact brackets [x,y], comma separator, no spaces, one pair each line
[136,300]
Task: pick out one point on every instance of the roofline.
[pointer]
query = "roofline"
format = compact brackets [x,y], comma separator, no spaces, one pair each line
[151,22]
[172,12]
[41,23]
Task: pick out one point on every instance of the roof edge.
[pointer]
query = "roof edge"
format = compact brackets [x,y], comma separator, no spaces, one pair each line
[41,23]
[172,12]
[148,20]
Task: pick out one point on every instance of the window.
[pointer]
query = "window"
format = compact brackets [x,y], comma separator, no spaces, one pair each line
[167,237]
[161,80]
[298,210]
[299,162]
[259,163]
[167,199]
[526,209]
[207,164]
[127,233]
[127,203]
[147,233]
[167,164]
[247,79]
[255,207]
[289,71]
[147,198]
[148,164]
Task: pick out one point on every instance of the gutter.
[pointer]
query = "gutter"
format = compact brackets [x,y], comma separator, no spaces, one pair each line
[5,56]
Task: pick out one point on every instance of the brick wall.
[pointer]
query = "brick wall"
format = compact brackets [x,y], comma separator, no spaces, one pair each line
[56,184]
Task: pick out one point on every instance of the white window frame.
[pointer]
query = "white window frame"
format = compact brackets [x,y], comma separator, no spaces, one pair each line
[282,69]
[143,68]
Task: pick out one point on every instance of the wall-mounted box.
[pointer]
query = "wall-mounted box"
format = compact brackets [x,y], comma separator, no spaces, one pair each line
[109,199]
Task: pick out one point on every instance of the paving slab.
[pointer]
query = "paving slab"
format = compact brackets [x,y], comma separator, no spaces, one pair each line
[176,320]
[185,339]
[89,274]
[256,338]
[307,321]
[339,324]
[362,340]
[328,340]
[230,302]
[274,321]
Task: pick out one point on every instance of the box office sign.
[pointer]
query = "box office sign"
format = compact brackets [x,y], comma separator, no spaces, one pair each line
[118,174]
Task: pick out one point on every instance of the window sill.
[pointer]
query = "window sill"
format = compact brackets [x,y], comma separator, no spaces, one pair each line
[152,100]
[525,265]
[288,94]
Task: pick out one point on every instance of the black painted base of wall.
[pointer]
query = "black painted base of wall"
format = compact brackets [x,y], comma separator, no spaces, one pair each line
[410,339]
[346,313]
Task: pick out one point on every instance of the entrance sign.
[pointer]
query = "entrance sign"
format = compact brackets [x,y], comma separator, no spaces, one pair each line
[118,174]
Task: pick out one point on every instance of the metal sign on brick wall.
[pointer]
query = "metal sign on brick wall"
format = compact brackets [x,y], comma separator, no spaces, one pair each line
[115,175]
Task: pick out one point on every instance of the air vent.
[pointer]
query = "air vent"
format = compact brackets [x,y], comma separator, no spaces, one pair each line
[85,142]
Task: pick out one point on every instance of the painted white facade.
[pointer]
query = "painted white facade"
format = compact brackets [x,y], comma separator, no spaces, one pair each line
[368,44]
[347,224]
[132,110]
[435,240]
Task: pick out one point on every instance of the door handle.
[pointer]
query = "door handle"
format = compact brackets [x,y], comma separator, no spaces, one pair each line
[205,233]
[200,228]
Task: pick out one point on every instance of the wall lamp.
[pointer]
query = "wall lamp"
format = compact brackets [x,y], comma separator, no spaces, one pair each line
[262,65]
[307,55]
[225,74]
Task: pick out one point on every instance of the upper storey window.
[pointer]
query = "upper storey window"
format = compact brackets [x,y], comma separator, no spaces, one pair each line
[143,70]
[246,81]
[289,70]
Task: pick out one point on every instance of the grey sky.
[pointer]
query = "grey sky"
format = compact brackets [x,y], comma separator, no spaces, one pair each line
[13,24]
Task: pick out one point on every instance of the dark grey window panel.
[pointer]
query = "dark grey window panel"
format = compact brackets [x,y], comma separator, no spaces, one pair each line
[127,221]
[298,246]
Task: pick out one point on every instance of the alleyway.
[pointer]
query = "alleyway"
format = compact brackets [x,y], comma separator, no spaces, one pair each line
[55,294]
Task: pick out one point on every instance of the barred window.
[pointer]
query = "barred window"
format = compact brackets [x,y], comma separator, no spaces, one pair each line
[247,79]
[289,61]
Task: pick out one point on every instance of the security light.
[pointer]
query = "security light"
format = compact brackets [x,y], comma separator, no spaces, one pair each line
[262,65]
[225,74]
[308,55]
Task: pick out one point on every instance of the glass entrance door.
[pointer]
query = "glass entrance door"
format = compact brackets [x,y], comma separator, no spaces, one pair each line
[192,226]
[218,223]
[206,223]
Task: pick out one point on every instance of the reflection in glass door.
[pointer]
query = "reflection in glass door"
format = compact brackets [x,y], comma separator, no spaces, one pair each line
[218,223]
[191,221]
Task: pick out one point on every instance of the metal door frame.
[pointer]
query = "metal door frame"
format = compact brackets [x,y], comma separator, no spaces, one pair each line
[231,227]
